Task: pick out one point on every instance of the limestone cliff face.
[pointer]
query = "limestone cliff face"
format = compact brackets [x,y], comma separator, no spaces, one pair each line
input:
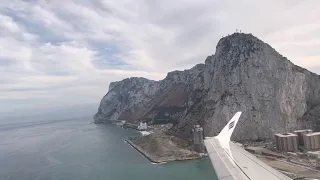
[249,75]
[123,97]
[245,74]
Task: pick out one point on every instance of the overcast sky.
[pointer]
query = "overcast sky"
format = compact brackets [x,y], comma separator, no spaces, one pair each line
[61,53]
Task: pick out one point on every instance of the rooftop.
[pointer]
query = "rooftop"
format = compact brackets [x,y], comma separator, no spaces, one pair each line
[313,134]
[303,130]
[285,134]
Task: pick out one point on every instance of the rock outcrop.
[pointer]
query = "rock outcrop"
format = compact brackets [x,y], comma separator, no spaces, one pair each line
[245,74]
[123,97]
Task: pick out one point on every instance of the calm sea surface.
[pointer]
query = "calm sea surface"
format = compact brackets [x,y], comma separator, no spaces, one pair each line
[80,150]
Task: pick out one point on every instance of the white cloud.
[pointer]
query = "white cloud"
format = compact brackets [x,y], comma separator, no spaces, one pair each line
[6,23]
[55,53]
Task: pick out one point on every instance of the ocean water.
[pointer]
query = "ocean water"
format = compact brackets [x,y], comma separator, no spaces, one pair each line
[80,150]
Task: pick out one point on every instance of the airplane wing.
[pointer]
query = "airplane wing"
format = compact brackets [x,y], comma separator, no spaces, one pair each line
[232,162]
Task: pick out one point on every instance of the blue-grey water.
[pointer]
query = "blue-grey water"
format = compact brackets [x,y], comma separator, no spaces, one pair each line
[80,150]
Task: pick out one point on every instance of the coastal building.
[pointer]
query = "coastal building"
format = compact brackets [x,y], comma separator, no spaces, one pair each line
[143,126]
[311,141]
[287,142]
[198,142]
[121,123]
[300,134]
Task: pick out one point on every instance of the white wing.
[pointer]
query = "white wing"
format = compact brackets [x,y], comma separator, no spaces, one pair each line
[232,162]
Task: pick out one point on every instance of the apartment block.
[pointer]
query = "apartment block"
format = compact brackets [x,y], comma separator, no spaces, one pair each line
[300,134]
[198,142]
[311,141]
[287,142]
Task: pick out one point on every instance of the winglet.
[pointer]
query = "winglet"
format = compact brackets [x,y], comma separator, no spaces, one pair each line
[227,131]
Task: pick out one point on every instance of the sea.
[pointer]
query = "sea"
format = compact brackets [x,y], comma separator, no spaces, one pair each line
[77,149]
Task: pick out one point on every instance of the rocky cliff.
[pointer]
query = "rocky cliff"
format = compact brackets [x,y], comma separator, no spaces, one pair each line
[245,74]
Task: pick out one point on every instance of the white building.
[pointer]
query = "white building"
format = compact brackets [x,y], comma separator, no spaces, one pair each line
[143,126]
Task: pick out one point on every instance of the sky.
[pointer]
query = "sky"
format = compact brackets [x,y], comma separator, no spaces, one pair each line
[61,54]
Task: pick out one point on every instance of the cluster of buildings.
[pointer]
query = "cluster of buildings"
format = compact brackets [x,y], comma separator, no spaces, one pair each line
[305,140]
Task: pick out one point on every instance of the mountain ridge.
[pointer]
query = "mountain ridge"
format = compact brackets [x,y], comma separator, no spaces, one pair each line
[245,74]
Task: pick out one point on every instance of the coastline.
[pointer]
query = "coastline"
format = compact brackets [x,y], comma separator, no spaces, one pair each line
[145,154]
[159,155]
[157,146]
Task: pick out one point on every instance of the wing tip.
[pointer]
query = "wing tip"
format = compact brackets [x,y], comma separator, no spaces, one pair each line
[227,131]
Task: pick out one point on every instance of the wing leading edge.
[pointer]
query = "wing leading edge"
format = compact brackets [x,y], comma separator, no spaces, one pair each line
[232,162]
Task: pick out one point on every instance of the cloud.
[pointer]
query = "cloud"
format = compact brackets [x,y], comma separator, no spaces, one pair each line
[55,53]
